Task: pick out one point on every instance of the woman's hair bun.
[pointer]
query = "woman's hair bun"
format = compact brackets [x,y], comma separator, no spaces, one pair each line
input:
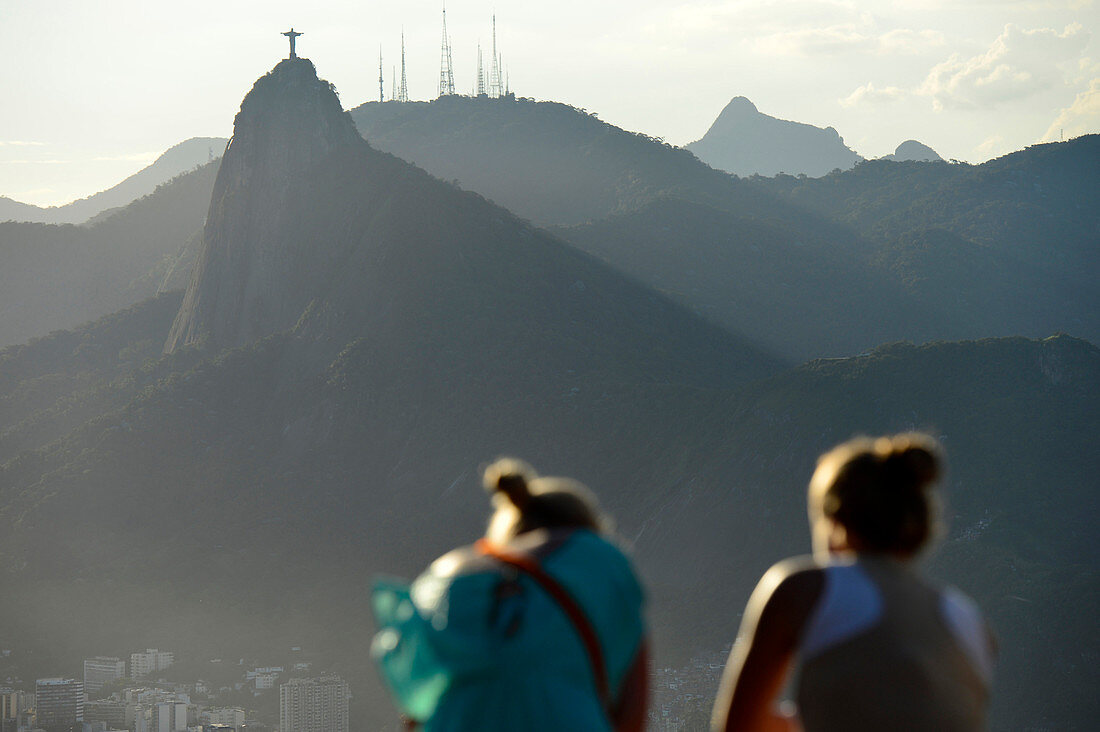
[510,477]
[914,459]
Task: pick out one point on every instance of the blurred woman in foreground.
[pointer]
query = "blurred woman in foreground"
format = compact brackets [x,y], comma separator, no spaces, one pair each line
[877,645]
[537,626]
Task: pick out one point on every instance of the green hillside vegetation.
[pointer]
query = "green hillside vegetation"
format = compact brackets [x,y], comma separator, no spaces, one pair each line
[52,385]
[947,251]
[552,163]
[1015,241]
[319,481]
[796,291]
[58,276]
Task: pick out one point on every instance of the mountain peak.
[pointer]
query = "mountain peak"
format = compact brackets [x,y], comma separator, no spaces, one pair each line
[740,105]
[291,106]
[913,150]
[745,141]
[288,123]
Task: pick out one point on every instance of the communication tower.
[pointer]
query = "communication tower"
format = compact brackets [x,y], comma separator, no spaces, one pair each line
[381,98]
[403,90]
[495,86]
[446,69]
[479,88]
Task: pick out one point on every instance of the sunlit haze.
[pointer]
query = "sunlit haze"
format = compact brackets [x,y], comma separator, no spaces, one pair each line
[94,91]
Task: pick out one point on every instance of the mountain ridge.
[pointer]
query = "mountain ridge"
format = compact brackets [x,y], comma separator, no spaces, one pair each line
[176,160]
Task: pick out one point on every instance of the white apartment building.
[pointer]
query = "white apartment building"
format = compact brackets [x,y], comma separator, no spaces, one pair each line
[100,670]
[169,716]
[150,661]
[314,705]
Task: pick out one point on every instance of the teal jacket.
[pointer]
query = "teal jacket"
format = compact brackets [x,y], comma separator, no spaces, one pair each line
[474,644]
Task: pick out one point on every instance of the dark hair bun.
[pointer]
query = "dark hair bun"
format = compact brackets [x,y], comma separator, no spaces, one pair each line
[511,478]
[879,489]
[913,461]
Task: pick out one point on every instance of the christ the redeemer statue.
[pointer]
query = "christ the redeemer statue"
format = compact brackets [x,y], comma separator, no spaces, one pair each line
[292,34]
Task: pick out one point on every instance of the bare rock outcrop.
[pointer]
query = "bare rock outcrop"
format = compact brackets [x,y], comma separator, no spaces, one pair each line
[288,123]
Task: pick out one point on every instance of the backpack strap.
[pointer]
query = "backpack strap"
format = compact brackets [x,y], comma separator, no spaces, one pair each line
[569,606]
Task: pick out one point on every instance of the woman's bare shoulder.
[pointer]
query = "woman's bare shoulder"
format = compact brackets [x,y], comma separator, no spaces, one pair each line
[789,590]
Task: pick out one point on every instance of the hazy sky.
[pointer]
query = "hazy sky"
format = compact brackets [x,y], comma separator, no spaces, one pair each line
[93,91]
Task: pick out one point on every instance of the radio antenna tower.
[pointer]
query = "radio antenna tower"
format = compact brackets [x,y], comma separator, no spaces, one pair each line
[479,88]
[446,71]
[403,90]
[381,98]
[494,70]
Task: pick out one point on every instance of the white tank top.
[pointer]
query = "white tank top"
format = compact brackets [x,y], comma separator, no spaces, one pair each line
[851,604]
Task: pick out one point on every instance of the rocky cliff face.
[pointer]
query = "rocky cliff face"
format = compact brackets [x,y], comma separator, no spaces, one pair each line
[289,123]
[744,141]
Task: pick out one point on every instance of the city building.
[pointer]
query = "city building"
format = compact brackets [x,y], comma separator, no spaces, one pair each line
[100,670]
[151,661]
[59,703]
[10,708]
[229,716]
[169,716]
[314,705]
[16,707]
[139,717]
[109,712]
[265,681]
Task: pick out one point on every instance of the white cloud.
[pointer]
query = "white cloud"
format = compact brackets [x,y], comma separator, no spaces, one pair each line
[868,93]
[1080,118]
[21,143]
[1018,64]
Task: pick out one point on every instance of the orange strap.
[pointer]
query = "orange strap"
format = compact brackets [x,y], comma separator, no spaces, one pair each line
[570,606]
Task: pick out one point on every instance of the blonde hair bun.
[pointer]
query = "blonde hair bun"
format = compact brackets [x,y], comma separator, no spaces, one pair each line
[511,478]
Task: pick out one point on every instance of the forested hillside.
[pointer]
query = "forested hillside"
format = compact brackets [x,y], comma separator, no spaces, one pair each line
[58,276]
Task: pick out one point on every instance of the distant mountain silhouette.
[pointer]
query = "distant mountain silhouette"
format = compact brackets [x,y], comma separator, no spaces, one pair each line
[744,141]
[881,261]
[552,163]
[176,160]
[58,276]
[1011,246]
[915,151]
